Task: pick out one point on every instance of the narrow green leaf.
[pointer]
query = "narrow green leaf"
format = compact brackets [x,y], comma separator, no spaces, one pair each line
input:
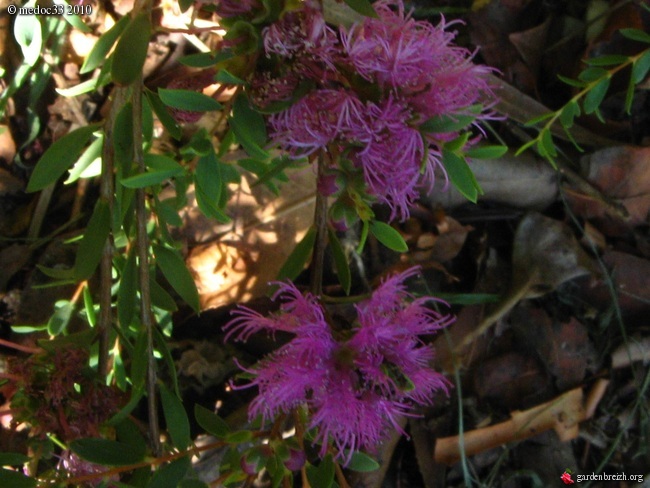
[93,152]
[170,475]
[173,268]
[73,19]
[188,100]
[636,35]
[160,298]
[364,7]
[607,60]
[595,96]
[12,459]
[486,152]
[150,178]
[131,50]
[298,257]
[176,419]
[641,67]
[59,157]
[92,244]
[211,422]
[546,140]
[340,261]
[106,452]
[570,111]
[388,236]
[537,120]
[139,362]
[226,77]
[249,128]
[572,82]
[89,307]
[60,319]
[276,168]
[102,47]
[461,176]
[16,479]
[79,89]
[127,431]
[163,115]
[592,74]
[447,123]
[128,290]
[205,60]
[239,437]
[362,463]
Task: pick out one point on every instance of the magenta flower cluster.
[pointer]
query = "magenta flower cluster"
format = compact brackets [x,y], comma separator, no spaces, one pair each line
[372,87]
[357,386]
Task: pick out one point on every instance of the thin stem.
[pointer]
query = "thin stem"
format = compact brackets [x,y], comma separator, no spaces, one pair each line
[106,194]
[18,347]
[320,222]
[143,258]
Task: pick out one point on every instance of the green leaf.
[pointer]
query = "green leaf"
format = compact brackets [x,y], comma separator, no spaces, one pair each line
[173,268]
[160,298]
[106,452]
[211,422]
[205,60]
[340,261]
[593,74]
[151,178]
[572,82]
[539,119]
[249,128]
[362,463]
[59,157]
[364,7]
[90,250]
[12,459]
[641,67]
[239,437]
[128,290]
[139,362]
[91,154]
[607,60]
[79,89]
[127,431]
[102,47]
[170,475]
[73,19]
[276,168]
[461,176]
[486,152]
[570,111]
[15,479]
[163,115]
[28,32]
[123,139]
[447,123]
[226,77]
[188,100]
[298,257]
[636,35]
[388,236]
[468,298]
[323,475]
[595,96]
[176,419]
[546,144]
[185,4]
[131,50]
[89,307]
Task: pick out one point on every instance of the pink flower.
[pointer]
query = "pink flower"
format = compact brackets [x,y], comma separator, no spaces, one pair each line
[355,388]
[316,120]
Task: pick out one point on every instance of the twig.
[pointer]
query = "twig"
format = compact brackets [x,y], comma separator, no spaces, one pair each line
[107,190]
[18,347]
[143,258]
[320,221]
